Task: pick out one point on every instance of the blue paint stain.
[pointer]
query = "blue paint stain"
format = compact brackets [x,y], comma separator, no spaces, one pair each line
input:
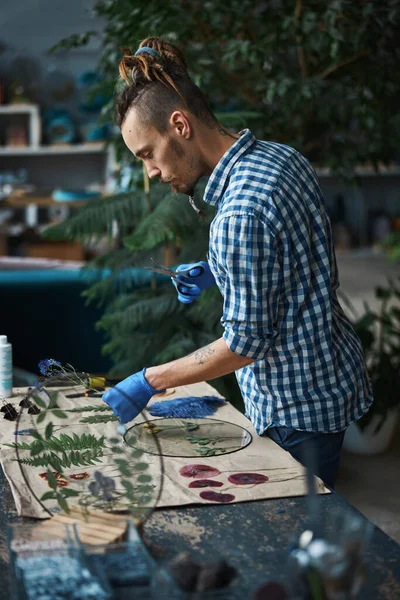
[24,432]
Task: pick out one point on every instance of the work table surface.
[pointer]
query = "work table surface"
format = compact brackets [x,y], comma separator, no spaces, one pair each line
[252,536]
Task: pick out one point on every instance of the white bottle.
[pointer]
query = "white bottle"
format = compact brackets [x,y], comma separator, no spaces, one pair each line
[5,367]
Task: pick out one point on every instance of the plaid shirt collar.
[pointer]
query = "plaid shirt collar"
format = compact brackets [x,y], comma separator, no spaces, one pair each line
[218,179]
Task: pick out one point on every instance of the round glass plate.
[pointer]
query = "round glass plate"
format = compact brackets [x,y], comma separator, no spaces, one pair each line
[188,437]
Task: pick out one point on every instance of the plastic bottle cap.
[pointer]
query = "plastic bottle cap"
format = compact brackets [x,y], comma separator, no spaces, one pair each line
[3,340]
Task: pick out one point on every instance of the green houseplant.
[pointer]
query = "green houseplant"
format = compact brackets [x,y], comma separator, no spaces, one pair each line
[308,75]
[379,331]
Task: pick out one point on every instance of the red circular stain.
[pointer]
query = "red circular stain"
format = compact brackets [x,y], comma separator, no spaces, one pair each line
[198,471]
[62,483]
[199,483]
[216,496]
[79,476]
[247,478]
[56,474]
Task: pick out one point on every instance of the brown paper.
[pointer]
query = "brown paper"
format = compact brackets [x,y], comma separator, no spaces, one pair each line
[286,477]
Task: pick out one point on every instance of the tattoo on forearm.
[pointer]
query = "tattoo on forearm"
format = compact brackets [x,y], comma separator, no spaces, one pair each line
[201,356]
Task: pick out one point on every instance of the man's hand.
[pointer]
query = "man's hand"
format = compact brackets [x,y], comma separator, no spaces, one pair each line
[192,280]
[130,396]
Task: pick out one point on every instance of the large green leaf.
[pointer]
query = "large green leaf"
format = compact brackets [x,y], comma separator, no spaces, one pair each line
[95,219]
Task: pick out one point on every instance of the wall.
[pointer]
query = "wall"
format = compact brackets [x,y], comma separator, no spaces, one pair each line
[29,28]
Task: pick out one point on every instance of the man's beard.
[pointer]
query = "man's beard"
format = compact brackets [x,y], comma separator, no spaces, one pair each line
[193,174]
[186,188]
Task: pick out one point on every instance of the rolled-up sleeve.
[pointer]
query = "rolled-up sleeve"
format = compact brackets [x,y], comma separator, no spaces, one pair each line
[250,281]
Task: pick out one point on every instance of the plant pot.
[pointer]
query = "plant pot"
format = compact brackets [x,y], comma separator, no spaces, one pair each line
[367,442]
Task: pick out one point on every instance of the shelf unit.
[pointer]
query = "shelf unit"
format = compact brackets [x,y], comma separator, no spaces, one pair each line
[36,150]
[69,166]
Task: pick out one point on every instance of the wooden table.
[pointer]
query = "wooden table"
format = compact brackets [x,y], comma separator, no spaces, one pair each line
[252,536]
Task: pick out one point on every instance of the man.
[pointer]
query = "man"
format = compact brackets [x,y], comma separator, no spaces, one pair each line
[298,362]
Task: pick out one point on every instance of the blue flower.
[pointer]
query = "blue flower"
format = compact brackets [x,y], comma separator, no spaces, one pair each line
[103,486]
[48,366]
[38,385]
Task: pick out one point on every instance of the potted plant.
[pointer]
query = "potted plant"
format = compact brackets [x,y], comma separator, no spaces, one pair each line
[379,331]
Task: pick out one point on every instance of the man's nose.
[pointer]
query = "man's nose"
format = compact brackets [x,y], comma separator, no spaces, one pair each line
[152,171]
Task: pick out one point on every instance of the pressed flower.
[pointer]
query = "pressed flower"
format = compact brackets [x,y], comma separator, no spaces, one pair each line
[247,478]
[199,471]
[200,483]
[216,497]
[103,486]
[48,366]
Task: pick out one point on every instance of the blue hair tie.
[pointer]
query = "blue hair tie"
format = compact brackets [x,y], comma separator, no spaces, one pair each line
[147,50]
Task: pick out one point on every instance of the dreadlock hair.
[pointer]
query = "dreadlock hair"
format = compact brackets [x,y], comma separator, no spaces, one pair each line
[158,85]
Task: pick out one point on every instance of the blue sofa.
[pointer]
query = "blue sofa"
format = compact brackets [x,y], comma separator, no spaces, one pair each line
[44,316]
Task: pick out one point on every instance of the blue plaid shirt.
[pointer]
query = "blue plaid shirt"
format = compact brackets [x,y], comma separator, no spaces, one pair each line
[272,255]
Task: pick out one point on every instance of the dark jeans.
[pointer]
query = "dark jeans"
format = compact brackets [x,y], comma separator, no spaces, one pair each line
[325,448]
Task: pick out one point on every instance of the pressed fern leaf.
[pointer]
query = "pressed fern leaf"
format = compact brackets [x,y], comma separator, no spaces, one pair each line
[98,419]
[66,460]
[64,443]
[19,445]
[96,408]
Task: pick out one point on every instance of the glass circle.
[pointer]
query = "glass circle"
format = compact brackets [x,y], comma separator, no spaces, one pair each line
[203,438]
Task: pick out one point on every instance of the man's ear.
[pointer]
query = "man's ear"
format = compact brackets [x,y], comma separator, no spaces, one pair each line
[179,122]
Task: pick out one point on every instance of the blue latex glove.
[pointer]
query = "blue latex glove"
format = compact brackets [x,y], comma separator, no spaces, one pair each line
[192,280]
[129,397]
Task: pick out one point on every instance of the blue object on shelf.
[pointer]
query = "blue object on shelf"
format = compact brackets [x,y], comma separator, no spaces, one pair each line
[74,195]
[92,131]
[92,92]
[59,127]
